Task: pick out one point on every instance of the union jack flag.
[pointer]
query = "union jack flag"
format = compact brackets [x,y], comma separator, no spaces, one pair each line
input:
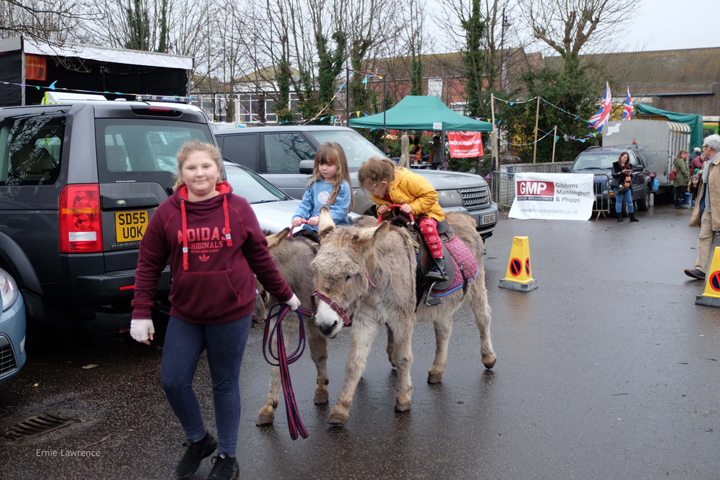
[602,116]
[628,108]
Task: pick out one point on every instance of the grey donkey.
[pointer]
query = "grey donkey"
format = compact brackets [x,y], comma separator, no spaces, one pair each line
[292,257]
[369,272]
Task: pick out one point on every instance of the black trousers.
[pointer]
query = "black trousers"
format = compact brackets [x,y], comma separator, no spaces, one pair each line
[680,196]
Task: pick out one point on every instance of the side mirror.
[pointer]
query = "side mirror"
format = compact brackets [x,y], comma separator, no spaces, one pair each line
[307,166]
[638,168]
[565,169]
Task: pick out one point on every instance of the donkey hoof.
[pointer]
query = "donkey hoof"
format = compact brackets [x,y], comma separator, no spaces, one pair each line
[338,418]
[321,398]
[489,360]
[265,419]
[434,377]
[402,406]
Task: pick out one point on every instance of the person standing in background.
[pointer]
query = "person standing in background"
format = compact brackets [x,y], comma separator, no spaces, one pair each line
[682,178]
[437,152]
[707,204]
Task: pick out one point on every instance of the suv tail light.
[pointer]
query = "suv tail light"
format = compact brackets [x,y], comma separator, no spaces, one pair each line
[80,223]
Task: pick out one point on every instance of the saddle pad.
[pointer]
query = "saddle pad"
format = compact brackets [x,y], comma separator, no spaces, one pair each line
[462,254]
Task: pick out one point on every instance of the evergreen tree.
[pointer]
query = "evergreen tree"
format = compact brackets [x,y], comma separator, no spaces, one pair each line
[282,77]
[163,43]
[139,26]
[473,54]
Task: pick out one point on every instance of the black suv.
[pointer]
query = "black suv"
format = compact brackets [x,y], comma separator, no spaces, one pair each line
[78,185]
[599,160]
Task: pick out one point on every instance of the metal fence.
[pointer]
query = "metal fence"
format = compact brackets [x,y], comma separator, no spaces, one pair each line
[602,196]
[502,187]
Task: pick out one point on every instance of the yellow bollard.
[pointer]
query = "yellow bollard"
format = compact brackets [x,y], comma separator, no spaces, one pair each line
[711,296]
[519,273]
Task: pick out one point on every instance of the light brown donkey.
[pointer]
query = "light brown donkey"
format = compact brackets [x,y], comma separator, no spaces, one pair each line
[292,257]
[369,273]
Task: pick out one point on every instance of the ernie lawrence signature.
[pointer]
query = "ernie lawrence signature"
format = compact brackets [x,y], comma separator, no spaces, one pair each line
[68,453]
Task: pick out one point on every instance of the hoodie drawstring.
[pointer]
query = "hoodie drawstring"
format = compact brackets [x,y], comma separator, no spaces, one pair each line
[226,230]
[184,233]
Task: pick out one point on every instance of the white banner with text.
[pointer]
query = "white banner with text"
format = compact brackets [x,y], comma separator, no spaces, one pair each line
[553,196]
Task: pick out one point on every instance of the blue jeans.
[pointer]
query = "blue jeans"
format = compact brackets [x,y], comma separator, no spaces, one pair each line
[627,196]
[225,343]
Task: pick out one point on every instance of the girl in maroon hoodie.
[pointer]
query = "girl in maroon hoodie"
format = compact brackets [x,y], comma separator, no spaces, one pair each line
[216,248]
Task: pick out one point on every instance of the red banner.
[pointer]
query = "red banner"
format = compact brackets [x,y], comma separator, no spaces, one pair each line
[465,144]
[35,67]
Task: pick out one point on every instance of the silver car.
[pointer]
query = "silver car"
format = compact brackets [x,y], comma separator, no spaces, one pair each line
[284,156]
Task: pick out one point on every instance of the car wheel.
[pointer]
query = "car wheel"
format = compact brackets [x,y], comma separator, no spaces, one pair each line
[644,203]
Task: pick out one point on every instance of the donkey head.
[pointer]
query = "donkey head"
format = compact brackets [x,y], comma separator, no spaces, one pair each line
[340,269]
[262,299]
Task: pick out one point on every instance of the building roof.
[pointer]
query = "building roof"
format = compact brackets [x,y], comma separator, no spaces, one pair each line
[685,71]
[444,65]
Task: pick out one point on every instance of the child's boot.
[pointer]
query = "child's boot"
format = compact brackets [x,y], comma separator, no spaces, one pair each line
[437,272]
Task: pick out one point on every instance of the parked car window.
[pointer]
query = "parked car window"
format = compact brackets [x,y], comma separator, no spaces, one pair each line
[242,149]
[30,149]
[127,148]
[357,149]
[599,160]
[284,151]
[250,186]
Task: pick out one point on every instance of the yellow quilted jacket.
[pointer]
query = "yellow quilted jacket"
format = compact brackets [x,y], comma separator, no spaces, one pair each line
[416,191]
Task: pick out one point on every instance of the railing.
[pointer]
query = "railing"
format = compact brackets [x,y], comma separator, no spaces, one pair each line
[502,187]
[601,206]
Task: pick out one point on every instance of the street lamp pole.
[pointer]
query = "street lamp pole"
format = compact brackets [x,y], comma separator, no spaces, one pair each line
[384,115]
[347,96]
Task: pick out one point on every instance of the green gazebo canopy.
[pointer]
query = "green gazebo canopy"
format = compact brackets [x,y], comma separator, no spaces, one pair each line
[422,113]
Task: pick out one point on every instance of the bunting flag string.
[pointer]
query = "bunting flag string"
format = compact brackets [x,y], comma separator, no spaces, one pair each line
[512,103]
[528,144]
[516,102]
[53,86]
[96,92]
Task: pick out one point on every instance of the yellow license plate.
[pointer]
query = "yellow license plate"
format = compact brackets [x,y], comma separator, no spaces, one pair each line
[130,226]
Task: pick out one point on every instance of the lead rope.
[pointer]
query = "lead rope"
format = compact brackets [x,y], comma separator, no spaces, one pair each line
[284,361]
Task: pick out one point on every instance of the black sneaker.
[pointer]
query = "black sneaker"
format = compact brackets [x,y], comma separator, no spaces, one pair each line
[226,468]
[695,273]
[194,454]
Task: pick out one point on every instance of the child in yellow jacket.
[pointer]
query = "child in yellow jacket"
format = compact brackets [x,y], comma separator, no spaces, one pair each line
[389,184]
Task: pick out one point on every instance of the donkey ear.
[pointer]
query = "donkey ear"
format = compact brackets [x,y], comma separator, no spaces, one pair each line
[325,224]
[368,236]
[277,238]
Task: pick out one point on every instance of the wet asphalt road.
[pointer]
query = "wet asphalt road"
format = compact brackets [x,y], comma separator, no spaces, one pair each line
[608,370]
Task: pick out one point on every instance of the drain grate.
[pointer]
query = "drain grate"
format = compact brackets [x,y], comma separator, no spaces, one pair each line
[36,426]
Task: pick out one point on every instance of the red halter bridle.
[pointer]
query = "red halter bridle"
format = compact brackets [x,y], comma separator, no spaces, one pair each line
[342,313]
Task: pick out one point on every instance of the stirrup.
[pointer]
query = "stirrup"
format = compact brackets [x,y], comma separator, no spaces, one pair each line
[432,301]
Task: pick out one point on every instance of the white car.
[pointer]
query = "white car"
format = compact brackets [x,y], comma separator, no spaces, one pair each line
[273,208]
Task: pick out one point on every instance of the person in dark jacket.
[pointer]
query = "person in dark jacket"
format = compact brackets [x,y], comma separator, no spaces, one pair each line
[216,248]
[682,178]
[622,173]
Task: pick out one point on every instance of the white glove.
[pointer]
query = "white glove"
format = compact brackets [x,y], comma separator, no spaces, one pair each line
[141,330]
[294,302]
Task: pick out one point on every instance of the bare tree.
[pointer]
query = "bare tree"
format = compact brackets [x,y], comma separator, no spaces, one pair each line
[45,21]
[569,26]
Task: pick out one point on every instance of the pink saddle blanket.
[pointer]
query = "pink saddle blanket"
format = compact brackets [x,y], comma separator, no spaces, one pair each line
[460,253]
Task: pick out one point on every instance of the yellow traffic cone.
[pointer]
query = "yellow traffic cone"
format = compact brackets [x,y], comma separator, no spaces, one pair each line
[519,274]
[711,297]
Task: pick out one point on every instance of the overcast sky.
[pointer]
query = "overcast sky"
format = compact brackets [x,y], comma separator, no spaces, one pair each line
[657,25]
